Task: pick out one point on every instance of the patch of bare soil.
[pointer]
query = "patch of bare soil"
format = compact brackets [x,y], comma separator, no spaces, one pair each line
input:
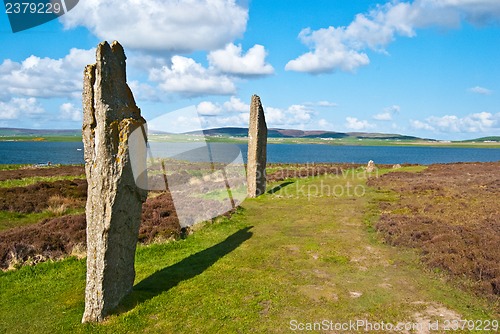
[451,212]
[41,171]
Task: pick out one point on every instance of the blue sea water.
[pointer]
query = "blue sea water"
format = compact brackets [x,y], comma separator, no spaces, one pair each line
[72,153]
[16,152]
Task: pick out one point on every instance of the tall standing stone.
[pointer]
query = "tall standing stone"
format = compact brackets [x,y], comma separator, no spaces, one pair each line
[114,202]
[257,148]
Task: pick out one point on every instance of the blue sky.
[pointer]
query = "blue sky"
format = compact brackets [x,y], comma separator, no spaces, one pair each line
[425,67]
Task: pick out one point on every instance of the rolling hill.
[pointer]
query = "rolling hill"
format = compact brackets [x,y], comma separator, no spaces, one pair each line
[75,134]
[292,133]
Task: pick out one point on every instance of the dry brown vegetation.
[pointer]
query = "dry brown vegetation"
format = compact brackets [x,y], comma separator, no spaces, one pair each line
[451,212]
[58,237]
[42,195]
[29,171]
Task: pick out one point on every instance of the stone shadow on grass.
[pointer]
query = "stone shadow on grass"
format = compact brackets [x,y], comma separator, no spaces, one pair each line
[279,187]
[168,277]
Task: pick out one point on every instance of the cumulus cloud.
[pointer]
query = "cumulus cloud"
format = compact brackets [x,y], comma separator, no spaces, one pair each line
[235,112]
[189,78]
[352,123]
[207,108]
[480,90]
[323,124]
[294,115]
[478,122]
[45,77]
[235,104]
[323,104]
[231,60]
[419,125]
[20,108]
[329,53]
[238,120]
[344,48]
[162,25]
[144,92]
[68,111]
[326,104]
[387,114]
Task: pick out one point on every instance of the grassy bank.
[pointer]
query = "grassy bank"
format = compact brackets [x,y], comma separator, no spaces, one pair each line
[306,251]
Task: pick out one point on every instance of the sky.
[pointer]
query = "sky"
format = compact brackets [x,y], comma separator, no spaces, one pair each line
[428,68]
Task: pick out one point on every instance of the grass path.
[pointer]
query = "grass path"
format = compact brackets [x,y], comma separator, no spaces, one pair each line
[284,257]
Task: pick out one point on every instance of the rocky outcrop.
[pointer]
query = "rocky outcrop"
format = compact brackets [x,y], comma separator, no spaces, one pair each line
[257,149]
[114,201]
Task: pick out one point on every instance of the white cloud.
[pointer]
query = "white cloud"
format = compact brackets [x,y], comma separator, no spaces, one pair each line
[223,114]
[143,91]
[238,120]
[329,53]
[189,78]
[45,77]
[326,104]
[232,61]
[419,125]
[294,115]
[473,123]
[18,108]
[393,109]
[323,104]
[162,25]
[343,48]
[69,112]
[207,108]
[323,124]
[235,104]
[385,116]
[480,90]
[352,123]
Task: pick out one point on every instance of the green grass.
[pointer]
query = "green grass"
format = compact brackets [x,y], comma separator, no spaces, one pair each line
[303,252]
[35,179]
[11,166]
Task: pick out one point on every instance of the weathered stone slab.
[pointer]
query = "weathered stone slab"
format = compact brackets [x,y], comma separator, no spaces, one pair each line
[257,149]
[114,202]
[370,168]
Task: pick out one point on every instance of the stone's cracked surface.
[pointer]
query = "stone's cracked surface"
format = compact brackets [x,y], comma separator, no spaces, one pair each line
[257,149]
[114,202]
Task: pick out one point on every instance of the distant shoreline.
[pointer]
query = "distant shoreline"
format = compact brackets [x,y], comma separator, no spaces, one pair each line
[299,141]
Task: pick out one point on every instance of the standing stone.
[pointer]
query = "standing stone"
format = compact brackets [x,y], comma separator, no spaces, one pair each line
[114,202]
[257,143]
[370,168]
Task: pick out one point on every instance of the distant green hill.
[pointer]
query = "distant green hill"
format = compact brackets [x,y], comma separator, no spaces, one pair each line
[40,134]
[484,139]
[292,133]
[76,135]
